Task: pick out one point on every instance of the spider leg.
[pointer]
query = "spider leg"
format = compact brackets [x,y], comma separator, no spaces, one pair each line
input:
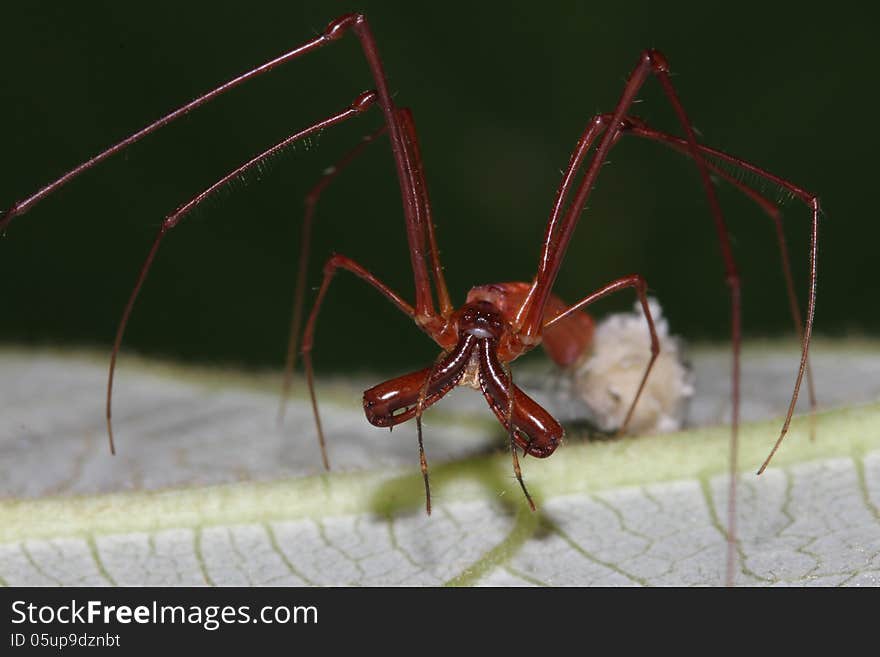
[339,262]
[423,462]
[400,130]
[404,146]
[512,434]
[638,282]
[561,227]
[311,200]
[420,409]
[424,209]
[361,104]
[639,128]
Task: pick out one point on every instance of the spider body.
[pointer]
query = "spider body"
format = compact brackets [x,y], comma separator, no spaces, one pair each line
[479,342]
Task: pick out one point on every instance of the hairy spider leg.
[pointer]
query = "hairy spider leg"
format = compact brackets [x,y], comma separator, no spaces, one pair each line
[402,145]
[560,229]
[361,104]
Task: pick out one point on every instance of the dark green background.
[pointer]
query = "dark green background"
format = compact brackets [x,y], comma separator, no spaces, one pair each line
[500,93]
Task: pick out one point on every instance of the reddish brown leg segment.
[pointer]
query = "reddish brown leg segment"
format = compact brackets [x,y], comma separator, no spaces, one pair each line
[403,146]
[310,202]
[512,435]
[357,23]
[424,205]
[361,104]
[423,463]
[812,202]
[423,211]
[420,409]
[339,262]
[560,230]
[641,288]
[21,207]
[640,129]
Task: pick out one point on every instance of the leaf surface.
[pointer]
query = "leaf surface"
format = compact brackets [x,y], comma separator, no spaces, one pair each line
[206,489]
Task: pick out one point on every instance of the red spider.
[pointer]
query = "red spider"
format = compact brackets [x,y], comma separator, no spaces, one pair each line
[500,322]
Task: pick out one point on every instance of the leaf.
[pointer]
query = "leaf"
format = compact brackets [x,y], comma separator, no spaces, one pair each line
[205,489]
